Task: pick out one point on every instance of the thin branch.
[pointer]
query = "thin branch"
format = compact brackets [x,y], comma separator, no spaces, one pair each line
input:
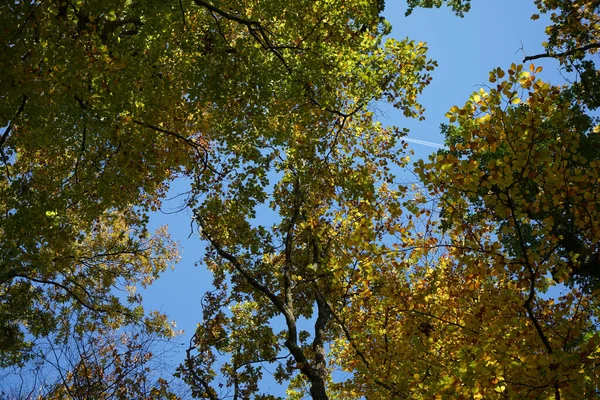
[245,274]
[7,132]
[10,125]
[532,273]
[189,364]
[185,24]
[439,319]
[179,136]
[361,354]
[192,143]
[532,290]
[20,29]
[225,14]
[564,53]
[63,287]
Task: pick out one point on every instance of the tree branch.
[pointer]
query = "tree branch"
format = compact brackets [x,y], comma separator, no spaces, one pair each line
[564,53]
[63,287]
[361,354]
[6,132]
[189,363]
[192,143]
[291,342]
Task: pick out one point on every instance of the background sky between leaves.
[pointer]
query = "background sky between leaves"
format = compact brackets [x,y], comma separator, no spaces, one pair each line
[495,33]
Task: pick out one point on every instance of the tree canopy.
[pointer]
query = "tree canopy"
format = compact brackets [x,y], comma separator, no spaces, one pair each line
[358,286]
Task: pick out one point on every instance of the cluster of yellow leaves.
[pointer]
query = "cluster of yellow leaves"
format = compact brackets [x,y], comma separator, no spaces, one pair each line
[470,306]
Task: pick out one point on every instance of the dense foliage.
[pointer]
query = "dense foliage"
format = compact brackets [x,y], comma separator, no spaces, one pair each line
[326,270]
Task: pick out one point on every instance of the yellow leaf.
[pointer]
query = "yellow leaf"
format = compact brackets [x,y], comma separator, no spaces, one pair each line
[524,74]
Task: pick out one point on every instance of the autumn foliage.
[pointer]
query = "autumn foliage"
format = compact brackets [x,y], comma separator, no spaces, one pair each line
[481,281]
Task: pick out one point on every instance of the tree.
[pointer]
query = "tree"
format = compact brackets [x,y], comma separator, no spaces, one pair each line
[409,304]
[572,38]
[131,362]
[460,7]
[104,103]
[329,186]
[515,196]
[519,217]
[77,174]
[266,106]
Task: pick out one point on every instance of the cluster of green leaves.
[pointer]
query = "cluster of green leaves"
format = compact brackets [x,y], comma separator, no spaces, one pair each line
[322,165]
[105,102]
[78,173]
[460,7]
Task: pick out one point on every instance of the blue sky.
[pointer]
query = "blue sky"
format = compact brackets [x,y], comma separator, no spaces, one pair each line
[493,34]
